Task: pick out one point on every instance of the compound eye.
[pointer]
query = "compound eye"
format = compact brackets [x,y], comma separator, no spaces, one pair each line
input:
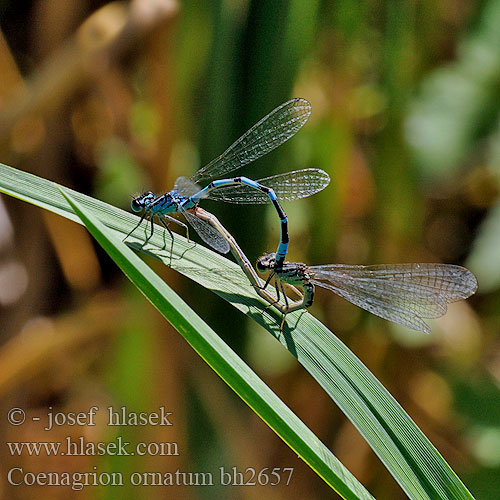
[266,262]
[136,205]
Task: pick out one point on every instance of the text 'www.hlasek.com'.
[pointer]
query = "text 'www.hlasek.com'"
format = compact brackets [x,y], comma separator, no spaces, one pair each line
[118,418]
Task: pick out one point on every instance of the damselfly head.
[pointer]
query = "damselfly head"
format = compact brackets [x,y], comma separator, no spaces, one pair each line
[141,201]
[266,262]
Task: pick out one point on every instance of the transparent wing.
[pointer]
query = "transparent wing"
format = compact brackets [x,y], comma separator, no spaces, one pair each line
[270,132]
[186,187]
[207,233]
[402,293]
[289,186]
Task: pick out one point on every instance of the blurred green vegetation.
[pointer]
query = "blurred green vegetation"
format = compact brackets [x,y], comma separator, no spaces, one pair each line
[113,99]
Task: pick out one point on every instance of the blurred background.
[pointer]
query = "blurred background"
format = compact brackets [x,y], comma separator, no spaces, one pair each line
[114,98]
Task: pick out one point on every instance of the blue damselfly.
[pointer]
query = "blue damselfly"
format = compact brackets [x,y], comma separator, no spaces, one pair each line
[273,130]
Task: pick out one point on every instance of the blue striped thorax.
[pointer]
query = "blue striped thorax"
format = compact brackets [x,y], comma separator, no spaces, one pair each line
[167,203]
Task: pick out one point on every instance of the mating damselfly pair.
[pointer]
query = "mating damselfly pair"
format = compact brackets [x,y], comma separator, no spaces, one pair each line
[403,293]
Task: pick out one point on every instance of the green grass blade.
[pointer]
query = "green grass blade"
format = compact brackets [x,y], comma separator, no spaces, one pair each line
[222,359]
[408,455]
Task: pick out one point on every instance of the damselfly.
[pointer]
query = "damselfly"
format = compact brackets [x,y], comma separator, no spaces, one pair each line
[403,293]
[244,263]
[273,130]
